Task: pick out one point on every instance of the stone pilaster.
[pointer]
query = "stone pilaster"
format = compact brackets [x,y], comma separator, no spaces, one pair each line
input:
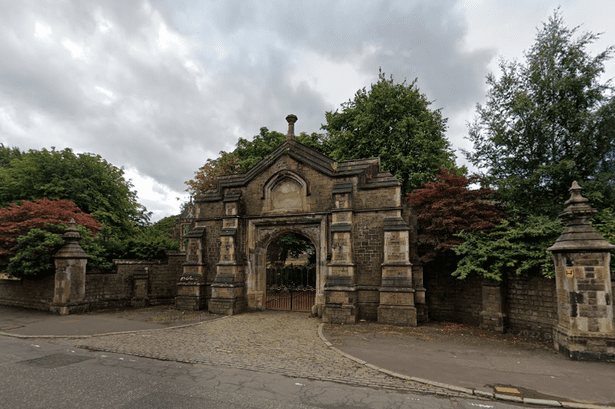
[585,325]
[340,288]
[140,297]
[420,302]
[191,288]
[70,263]
[228,288]
[397,290]
[492,316]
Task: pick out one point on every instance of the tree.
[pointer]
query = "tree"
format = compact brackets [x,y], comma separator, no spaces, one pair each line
[32,232]
[93,184]
[509,248]
[446,208]
[392,121]
[8,154]
[547,121]
[290,245]
[206,177]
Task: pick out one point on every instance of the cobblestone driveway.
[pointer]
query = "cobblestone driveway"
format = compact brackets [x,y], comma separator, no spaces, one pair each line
[272,342]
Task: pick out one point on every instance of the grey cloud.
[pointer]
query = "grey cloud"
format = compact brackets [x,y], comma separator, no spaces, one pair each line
[164,118]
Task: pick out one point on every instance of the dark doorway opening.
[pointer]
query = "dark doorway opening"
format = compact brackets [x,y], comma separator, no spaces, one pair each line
[291,273]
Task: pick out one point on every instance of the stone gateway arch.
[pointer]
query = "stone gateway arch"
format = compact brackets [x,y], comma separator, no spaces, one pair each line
[351,211]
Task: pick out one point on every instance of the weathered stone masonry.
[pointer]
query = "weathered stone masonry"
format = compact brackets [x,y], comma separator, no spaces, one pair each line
[585,320]
[351,211]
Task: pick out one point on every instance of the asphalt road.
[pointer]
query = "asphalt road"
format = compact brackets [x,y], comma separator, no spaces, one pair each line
[38,374]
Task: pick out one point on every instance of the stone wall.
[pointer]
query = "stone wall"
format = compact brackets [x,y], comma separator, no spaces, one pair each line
[33,294]
[115,289]
[450,299]
[531,305]
[530,301]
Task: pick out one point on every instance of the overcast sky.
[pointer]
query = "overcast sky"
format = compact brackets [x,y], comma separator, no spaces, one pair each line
[158,87]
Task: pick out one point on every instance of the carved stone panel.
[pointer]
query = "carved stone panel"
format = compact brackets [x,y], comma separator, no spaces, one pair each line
[286,195]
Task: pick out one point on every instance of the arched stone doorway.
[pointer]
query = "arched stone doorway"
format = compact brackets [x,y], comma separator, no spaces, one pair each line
[261,233]
[291,273]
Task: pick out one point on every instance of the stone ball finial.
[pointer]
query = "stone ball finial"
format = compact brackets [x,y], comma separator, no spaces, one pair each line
[291,119]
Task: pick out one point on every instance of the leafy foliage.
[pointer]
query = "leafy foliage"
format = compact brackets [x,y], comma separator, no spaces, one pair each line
[206,177]
[519,248]
[35,251]
[604,223]
[448,207]
[31,233]
[290,245]
[18,220]
[548,121]
[33,254]
[93,184]
[148,244]
[7,154]
[392,121]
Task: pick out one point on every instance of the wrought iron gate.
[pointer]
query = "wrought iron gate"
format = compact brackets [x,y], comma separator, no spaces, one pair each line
[291,288]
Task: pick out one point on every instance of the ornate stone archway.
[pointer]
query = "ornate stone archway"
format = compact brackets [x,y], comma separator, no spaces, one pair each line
[261,232]
[351,211]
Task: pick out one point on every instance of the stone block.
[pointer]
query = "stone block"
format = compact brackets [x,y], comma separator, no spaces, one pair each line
[403,316]
[227,306]
[340,314]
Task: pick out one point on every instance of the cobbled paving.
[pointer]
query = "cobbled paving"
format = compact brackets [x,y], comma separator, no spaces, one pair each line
[271,342]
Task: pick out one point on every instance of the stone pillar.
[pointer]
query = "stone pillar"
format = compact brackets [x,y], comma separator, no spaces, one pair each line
[397,290]
[191,288]
[585,324]
[70,262]
[140,298]
[340,288]
[420,302]
[228,288]
[492,316]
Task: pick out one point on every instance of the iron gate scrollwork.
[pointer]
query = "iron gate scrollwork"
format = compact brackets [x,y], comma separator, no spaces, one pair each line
[291,288]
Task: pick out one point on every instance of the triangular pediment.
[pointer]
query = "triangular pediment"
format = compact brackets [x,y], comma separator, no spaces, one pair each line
[368,170]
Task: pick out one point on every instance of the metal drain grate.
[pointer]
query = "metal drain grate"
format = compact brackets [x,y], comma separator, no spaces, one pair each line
[55,360]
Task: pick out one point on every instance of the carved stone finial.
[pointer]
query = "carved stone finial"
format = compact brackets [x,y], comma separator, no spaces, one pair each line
[71,247]
[579,234]
[577,204]
[291,119]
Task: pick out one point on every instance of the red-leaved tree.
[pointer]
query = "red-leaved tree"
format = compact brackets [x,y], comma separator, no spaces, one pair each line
[447,207]
[17,220]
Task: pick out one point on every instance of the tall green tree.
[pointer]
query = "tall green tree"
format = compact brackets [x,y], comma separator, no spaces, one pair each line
[392,121]
[97,187]
[548,120]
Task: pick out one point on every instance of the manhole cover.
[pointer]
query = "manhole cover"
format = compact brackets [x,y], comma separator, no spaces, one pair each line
[55,360]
